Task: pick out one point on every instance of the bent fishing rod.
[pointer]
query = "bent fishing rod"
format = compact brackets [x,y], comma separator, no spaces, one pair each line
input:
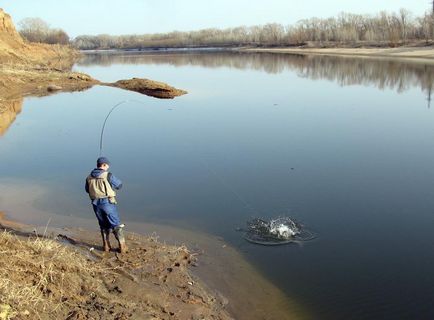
[108,115]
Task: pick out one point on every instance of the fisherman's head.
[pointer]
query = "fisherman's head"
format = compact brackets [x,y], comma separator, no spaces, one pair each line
[103,163]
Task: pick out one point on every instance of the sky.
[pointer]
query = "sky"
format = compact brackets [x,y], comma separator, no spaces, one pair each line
[116,17]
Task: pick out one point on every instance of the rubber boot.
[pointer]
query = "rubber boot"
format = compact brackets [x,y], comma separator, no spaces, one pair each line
[106,240]
[119,235]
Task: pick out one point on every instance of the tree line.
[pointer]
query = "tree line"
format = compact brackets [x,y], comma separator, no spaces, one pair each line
[382,29]
[37,30]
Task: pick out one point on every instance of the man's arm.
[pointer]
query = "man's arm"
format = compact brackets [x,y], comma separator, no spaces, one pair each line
[86,186]
[114,182]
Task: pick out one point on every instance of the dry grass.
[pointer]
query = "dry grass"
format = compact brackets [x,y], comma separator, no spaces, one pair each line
[41,275]
[47,279]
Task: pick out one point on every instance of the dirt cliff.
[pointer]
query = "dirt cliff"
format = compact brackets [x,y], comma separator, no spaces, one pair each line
[30,68]
[6,25]
[15,50]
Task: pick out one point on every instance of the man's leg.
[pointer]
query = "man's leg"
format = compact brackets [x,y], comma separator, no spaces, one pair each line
[104,226]
[115,223]
[105,233]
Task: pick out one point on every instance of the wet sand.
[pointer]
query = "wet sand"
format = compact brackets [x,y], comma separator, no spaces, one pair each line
[221,268]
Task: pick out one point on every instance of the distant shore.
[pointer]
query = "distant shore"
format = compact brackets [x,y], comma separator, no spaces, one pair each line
[419,53]
[415,53]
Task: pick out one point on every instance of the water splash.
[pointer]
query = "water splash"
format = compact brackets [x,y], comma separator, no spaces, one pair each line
[276,231]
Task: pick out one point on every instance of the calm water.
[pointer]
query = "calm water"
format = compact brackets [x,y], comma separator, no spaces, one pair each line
[359,135]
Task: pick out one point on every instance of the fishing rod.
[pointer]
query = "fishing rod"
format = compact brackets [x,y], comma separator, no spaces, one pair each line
[108,115]
[222,181]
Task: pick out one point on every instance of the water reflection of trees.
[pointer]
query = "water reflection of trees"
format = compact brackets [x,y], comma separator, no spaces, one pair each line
[382,73]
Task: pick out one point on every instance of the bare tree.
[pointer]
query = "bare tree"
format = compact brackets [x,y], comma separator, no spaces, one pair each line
[33,29]
[37,30]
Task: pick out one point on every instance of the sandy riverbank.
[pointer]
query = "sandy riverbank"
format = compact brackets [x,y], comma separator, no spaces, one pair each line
[67,277]
[425,54]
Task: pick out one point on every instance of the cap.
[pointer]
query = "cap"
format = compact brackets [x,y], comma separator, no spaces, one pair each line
[101,161]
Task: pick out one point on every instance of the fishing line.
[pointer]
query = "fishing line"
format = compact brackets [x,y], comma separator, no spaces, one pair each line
[222,181]
[229,187]
[253,234]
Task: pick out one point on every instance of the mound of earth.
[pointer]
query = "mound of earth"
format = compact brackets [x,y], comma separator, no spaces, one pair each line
[149,87]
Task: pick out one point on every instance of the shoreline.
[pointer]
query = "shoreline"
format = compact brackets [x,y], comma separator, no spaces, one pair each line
[18,81]
[221,269]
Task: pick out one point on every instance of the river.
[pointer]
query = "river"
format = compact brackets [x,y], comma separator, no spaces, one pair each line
[343,145]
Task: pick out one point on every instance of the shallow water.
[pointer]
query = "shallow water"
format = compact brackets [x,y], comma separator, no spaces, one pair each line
[344,145]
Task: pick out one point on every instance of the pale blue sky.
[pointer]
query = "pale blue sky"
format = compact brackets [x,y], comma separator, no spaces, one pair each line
[151,16]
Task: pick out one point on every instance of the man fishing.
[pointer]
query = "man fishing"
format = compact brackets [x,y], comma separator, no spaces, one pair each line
[101,186]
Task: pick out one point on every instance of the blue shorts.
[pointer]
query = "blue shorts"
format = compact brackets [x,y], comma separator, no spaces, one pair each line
[107,215]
